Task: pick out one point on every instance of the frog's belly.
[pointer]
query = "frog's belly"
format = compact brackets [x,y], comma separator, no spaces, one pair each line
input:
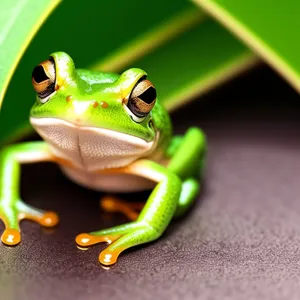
[122,183]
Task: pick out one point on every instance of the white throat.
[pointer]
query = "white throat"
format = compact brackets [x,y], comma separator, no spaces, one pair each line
[91,148]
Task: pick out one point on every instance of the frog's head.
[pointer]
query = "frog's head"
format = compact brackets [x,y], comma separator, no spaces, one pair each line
[87,115]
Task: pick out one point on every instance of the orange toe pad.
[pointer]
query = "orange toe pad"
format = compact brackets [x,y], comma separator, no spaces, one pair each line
[11,237]
[108,258]
[86,240]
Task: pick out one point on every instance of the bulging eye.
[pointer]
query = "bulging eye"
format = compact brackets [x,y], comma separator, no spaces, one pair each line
[142,99]
[43,79]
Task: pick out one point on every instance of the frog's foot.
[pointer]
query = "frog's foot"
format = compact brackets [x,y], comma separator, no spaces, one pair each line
[11,217]
[115,205]
[119,239]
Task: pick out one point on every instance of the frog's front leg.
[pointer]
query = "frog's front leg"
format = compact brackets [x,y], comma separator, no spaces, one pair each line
[153,219]
[12,208]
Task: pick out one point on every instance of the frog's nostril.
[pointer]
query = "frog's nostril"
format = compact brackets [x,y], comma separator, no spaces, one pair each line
[104,104]
[95,104]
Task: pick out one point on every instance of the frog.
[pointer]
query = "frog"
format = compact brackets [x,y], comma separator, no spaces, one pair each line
[107,132]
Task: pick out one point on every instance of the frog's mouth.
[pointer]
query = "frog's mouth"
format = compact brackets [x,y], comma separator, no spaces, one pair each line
[91,148]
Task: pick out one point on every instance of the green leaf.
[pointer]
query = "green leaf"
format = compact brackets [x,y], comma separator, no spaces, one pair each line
[151,39]
[195,62]
[19,21]
[270,28]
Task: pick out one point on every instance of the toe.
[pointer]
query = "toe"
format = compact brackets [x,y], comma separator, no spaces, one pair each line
[86,240]
[49,219]
[108,258]
[11,237]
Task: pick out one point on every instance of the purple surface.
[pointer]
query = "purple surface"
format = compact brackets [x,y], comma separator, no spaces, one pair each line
[240,241]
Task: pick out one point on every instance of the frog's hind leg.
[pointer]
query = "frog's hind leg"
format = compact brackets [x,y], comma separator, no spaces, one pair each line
[188,160]
[190,189]
[114,204]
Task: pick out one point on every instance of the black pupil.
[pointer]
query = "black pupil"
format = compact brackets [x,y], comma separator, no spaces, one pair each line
[39,74]
[149,95]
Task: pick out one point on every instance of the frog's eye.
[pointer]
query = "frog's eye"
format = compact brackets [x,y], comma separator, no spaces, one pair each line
[142,100]
[43,79]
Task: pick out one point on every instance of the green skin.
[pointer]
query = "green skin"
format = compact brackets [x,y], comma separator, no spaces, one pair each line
[177,182]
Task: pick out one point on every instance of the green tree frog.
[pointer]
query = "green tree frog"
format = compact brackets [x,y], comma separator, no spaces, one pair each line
[107,132]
